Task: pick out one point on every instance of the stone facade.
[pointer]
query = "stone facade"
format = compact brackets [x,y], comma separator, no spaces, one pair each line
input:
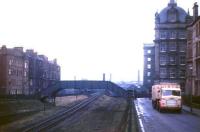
[26,72]
[170,44]
[193,55]
[149,65]
[13,71]
[32,58]
[43,73]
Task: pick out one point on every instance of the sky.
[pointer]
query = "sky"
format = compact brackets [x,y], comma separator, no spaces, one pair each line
[87,37]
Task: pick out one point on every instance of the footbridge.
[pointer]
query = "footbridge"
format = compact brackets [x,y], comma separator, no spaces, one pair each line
[83,86]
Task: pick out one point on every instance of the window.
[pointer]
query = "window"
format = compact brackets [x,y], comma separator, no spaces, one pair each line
[182,47]
[163,72]
[163,47]
[156,34]
[182,60]
[148,81]
[148,59]
[171,92]
[182,73]
[172,46]
[198,49]
[189,68]
[10,62]
[9,71]
[173,35]
[14,72]
[196,27]
[25,74]
[25,65]
[163,35]
[172,60]
[182,35]
[172,72]
[149,51]
[163,60]
[172,16]
[148,74]
[149,66]
[31,82]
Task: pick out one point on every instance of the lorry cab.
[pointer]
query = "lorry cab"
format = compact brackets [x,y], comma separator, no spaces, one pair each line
[166,96]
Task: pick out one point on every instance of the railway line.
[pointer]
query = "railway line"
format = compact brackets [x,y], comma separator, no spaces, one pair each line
[56,118]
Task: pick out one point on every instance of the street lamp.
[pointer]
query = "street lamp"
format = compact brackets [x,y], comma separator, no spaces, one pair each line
[191,89]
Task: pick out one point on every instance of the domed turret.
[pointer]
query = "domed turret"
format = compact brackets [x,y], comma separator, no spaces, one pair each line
[172,13]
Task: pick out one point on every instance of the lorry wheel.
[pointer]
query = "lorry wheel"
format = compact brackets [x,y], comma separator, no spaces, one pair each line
[157,105]
[153,105]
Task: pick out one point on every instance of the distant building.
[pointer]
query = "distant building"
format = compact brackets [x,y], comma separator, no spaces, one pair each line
[149,65]
[26,72]
[170,44]
[43,73]
[14,71]
[54,71]
[193,55]
[34,72]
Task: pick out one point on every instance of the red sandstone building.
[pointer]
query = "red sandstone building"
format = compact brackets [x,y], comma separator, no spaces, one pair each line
[25,73]
[13,71]
[193,55]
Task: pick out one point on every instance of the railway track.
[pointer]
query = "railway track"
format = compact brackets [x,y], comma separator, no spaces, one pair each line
[56,118]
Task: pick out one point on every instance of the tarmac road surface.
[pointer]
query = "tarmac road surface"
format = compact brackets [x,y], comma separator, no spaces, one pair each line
[151,120]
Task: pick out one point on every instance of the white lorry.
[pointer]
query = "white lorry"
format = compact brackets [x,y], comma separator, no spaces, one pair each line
[166,96]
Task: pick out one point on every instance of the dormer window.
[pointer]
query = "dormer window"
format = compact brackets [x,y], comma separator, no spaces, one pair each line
[172,15]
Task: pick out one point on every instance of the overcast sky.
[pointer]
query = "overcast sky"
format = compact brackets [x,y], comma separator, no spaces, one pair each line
[88,37]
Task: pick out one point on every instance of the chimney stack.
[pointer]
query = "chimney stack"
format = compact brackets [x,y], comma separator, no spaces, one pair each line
[104,76]
[138,76]
[195,11]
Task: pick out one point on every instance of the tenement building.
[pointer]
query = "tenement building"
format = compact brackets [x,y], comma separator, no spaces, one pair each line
[13,71]
[26,72]
[149,65]
[170,44]
[193,55]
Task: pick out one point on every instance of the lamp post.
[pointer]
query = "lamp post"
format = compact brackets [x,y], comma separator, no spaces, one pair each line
[191,89]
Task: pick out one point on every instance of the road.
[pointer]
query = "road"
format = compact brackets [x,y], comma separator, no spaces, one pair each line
[153,121]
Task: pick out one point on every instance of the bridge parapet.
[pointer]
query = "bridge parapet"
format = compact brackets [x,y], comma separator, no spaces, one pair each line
[83,86]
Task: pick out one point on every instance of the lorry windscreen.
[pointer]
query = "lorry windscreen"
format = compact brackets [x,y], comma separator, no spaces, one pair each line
[171,92]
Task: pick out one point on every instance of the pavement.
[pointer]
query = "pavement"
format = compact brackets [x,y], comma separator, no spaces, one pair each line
[194,110]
